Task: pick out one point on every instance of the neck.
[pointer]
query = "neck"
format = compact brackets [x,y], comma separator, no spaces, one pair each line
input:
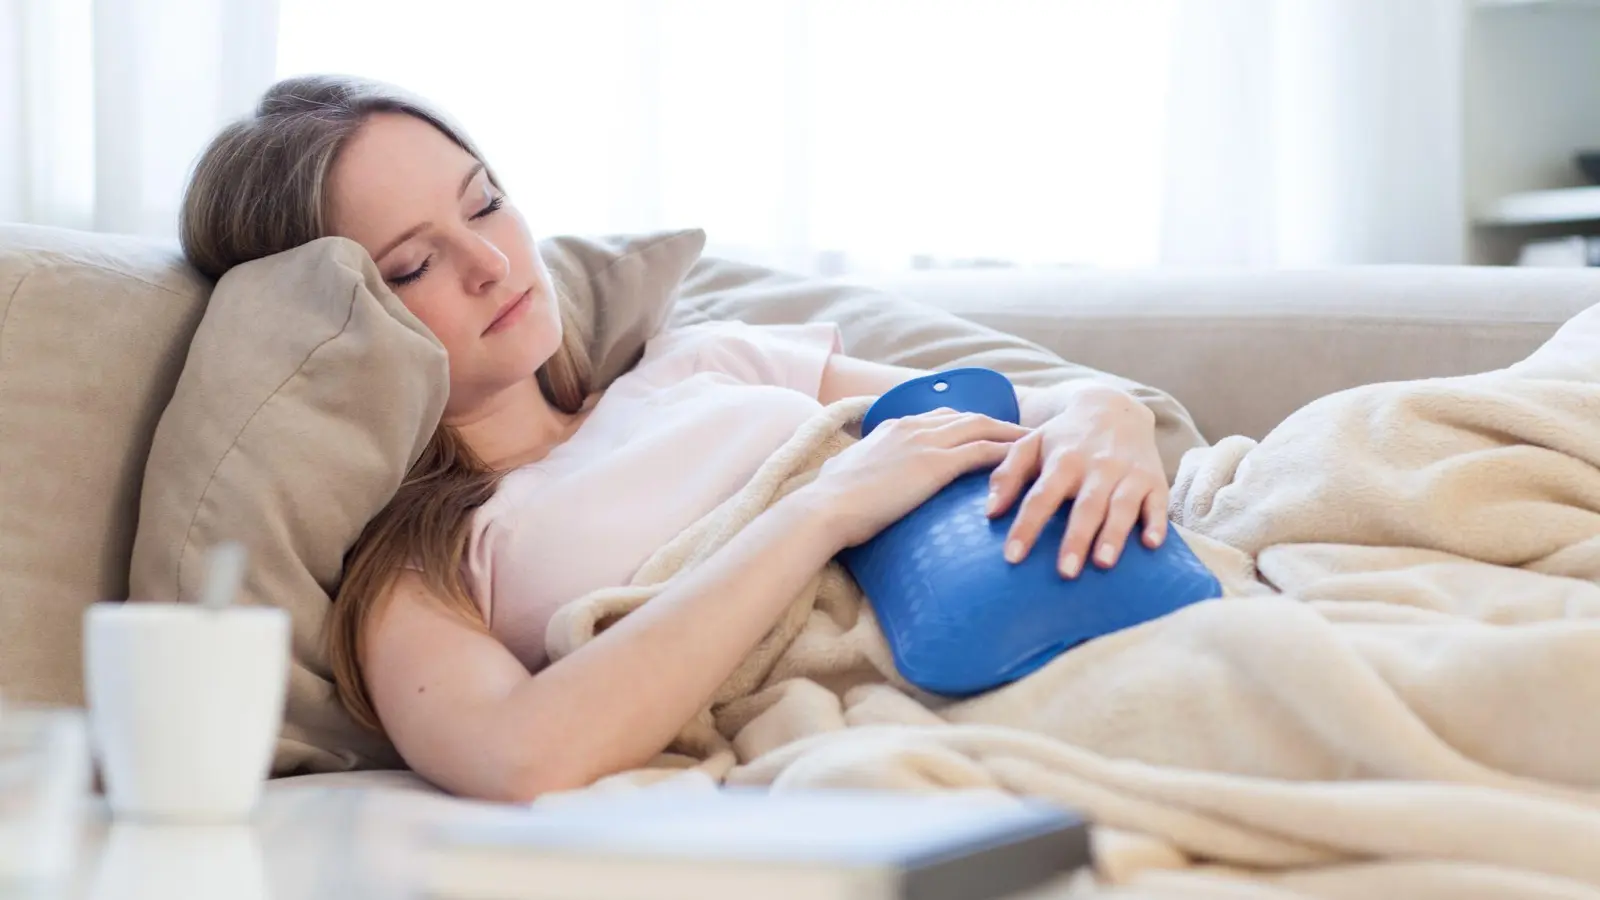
[515,427]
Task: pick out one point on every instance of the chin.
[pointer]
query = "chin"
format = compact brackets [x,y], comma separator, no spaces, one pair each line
[543,339]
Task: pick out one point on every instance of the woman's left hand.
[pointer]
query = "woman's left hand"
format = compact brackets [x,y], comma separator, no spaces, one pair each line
[1099,452]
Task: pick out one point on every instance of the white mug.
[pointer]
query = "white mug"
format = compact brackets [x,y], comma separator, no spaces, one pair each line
[185,704]
[141,861]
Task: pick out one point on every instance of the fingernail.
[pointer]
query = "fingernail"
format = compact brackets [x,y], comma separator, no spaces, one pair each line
[993,503]
[1014,552]
[1153,538]
[1070,564]
[1106,555]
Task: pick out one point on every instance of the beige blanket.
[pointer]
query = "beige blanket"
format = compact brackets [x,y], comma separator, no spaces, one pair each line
[1399,698]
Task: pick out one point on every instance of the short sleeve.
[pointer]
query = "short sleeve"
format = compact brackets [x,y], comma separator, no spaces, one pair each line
[792,356]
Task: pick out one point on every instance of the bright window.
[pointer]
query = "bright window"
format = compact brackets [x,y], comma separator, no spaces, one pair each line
[812,134]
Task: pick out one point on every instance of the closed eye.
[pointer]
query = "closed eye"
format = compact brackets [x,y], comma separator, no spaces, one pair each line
[413,275]
[493,205]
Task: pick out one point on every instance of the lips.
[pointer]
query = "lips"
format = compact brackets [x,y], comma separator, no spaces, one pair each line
[509,312]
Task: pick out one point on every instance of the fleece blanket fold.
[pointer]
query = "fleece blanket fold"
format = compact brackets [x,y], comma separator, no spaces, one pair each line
[1400,695]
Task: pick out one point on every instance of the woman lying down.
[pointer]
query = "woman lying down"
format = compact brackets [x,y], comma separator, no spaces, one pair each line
[451,662]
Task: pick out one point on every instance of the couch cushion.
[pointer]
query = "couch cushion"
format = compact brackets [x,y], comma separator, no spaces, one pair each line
[92,336]
[1242,349]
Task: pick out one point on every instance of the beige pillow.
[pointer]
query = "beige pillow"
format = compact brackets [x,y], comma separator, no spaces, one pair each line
[308,392]
[622,287]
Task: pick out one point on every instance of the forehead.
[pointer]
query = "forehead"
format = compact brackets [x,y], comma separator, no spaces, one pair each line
[396,171]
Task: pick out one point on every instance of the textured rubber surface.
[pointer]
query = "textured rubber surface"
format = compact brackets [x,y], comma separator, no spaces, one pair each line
[960,619]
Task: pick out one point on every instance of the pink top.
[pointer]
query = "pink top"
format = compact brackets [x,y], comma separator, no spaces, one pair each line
[682,431]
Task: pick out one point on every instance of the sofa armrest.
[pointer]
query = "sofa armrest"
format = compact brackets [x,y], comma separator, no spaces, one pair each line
[1243,349]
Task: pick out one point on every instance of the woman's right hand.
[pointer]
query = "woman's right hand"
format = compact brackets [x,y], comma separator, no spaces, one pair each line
[902,463]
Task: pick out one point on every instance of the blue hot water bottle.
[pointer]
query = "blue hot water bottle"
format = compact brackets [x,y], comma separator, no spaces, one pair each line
[958,617]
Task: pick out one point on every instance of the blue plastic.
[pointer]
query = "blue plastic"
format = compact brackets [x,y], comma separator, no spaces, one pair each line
[959,618]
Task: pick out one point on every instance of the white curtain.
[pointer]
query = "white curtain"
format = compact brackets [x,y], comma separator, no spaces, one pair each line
[812,134]
[104,104]
[817,135]
[1315,132]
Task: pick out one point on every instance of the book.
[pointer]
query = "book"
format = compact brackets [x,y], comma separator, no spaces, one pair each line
[1573,250]
[746,844]
[1573,204]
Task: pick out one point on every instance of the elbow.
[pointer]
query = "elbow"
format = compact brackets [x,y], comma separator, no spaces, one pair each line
[529,787]
[511,781]
[540,775]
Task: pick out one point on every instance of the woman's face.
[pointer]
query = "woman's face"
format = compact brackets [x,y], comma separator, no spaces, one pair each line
[453,248]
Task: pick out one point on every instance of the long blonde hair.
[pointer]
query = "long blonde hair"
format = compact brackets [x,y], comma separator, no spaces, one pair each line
[261,188]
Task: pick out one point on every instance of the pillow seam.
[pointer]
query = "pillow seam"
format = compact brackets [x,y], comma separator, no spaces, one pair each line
[5,312]
[233,444]
[59,261]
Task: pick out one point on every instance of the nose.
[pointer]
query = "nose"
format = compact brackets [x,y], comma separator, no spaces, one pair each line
[484,265]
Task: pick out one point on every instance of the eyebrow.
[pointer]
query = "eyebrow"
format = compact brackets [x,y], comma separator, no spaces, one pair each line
[415,230]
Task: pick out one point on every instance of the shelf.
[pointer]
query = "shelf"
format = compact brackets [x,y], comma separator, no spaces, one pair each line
[1579,204]
[1537,4]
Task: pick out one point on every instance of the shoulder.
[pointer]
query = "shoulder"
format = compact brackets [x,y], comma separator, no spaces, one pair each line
[789,355]
[679,352]
[695,339]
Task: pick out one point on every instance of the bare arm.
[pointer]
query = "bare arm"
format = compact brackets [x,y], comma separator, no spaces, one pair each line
[465,713]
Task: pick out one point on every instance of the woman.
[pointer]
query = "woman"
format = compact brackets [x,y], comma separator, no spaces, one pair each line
[436,635]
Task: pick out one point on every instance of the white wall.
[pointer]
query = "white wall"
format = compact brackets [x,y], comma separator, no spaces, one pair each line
[1532,100]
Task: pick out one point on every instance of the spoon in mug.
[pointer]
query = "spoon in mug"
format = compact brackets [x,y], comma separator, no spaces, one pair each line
[225,570]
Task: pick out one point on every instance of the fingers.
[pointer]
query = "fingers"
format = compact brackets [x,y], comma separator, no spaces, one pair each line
[1108,499]
[979,455]
[1110,493]
[1155,516]
[945,428]
[921,421]
[1122,513]
[961,442]
[1063,477]
[967,427]
[1089,511]
[1020,466]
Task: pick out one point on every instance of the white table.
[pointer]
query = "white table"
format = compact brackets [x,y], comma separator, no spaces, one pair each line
[311,838]
[338,837]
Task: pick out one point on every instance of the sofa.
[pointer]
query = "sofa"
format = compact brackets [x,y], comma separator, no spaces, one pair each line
[95,331]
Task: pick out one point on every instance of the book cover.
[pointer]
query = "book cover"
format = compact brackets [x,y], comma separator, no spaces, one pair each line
[747,843]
